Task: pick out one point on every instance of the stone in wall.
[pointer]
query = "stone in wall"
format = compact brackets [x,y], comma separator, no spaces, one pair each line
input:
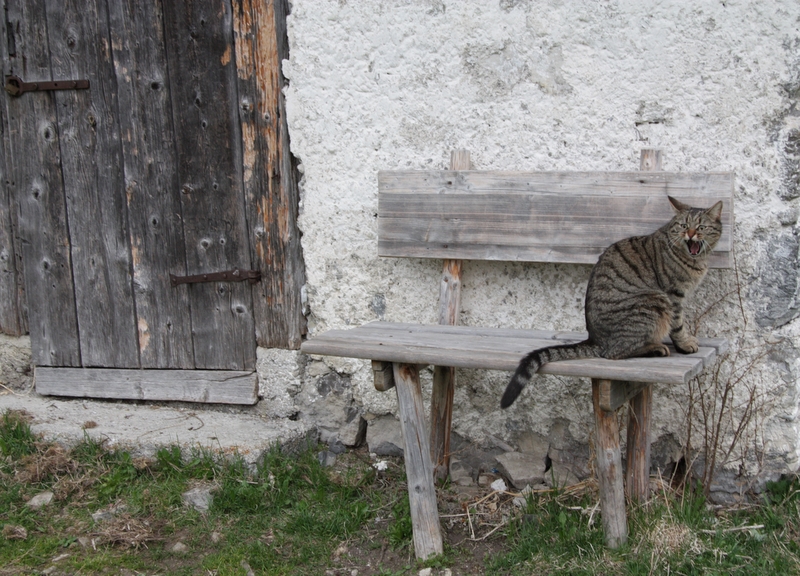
[568,457]
[15,362]
[775,290]
[327,401]
[279,380]
[384,437]
[791,166]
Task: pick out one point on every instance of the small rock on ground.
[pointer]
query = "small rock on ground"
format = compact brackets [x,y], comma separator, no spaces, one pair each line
[108,514]
[459,474]
[326,458]
[41,499]
[198,498]
[522,468]
[246,567]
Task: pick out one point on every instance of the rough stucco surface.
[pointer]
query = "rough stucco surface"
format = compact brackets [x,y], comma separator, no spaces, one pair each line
[15,363]
[550,86]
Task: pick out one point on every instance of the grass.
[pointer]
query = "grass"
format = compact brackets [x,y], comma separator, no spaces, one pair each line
[290,515]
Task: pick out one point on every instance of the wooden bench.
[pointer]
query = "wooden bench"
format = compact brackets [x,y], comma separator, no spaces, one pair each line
[565,217]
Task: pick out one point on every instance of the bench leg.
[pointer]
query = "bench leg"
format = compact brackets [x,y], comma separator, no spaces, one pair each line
[637,476]
[444,378]
[609,472]
[419,468]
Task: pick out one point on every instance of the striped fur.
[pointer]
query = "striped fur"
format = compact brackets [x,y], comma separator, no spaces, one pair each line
[635,295]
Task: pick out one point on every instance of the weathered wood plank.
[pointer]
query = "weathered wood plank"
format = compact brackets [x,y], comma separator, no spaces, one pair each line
[151,184]
[614,393]
[543,217]
[444,377]
[637,475]
[442,395]
[382,375]
[13,316]
[39,191]
[91,162]
[599,183]
[208,142]
[720,345]
[498,348]
[419,468]
[609,472]
[270,176]
[512,253]
[207,386]
[13,319]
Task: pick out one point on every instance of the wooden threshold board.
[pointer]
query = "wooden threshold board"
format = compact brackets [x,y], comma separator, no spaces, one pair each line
[207,386]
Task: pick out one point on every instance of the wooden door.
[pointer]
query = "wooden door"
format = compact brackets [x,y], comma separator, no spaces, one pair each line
[174,161]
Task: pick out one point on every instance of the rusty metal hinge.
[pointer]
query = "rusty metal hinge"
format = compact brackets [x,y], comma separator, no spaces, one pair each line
[16,86]
[234,275]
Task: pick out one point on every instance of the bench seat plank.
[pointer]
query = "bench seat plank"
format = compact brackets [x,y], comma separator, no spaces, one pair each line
[498,349]
[720,345]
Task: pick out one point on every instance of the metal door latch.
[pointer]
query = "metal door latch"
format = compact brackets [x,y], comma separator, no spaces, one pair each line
[234,275]
[16,86]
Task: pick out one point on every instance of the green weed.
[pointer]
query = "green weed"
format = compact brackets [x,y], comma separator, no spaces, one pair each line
[400,531]
[16,438]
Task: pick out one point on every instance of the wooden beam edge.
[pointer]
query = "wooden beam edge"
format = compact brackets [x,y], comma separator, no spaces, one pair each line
[204,386]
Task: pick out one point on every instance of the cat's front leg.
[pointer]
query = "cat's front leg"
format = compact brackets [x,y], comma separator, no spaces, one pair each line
[685,343]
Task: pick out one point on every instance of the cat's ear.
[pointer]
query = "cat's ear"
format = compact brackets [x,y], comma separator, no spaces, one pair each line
[678,205]
[715,211]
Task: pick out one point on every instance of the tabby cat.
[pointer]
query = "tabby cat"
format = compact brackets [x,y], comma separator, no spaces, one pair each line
[635,294]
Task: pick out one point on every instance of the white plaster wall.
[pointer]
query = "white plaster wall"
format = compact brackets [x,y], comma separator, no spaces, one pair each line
[546,85]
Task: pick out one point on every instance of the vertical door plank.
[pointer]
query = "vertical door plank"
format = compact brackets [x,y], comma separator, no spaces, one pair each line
[202,72]
[13,320]
[270,180]
[92,171]
[151,184]
[39,191]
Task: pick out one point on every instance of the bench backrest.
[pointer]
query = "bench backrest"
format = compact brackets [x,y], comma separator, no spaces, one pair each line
[568,217]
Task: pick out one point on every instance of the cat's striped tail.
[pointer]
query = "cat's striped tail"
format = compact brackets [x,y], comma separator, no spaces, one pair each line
[531,363]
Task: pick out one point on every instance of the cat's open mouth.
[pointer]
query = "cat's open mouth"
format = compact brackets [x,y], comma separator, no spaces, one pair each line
[694,247]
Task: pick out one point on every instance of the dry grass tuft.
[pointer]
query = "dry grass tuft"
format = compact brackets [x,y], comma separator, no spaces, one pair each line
[127,531]
[49,460]
[669,537]
[14,532]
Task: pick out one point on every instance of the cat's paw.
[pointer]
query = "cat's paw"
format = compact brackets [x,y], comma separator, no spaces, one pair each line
[660,350]
[687,345]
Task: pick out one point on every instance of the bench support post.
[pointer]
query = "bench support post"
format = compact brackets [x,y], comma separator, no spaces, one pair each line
[444,386]
[609,471]
[637,476]
[444,377]
[419,468]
